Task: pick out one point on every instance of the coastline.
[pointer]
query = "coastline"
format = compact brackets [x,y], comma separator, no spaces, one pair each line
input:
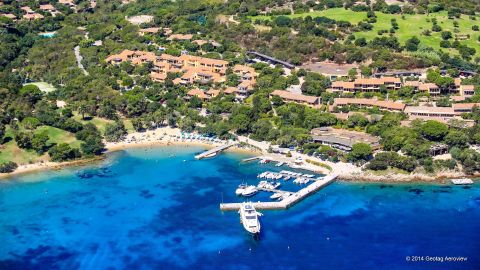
[167,136]
[146,139]
[440,178]
[49,165]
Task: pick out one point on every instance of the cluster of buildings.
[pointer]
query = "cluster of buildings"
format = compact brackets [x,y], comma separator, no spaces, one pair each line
[442,114]
[30,14]
[395,83]
[193,69]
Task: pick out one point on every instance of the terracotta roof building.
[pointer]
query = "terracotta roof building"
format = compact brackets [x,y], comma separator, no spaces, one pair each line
[467,90]
[365,102]
[10,16]
[48,7]
[197,93]
[296,98]
[343,139]
[464,107]
[429,88]
[430,112]
[150,30]
[180,37]
[366,85]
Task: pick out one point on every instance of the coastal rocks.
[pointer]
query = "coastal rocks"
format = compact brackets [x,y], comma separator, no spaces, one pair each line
[365,176]
[100,172]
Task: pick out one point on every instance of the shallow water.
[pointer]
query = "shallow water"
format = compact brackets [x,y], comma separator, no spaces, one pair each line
[158,209]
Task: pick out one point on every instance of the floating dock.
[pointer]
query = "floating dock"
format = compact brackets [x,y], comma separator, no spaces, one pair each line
[214,151]
[287,202]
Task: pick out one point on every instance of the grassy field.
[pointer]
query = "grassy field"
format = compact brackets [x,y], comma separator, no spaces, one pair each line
[100,123]
[43,86]
[58,136]
[412,25]
[339,14]
[9,151]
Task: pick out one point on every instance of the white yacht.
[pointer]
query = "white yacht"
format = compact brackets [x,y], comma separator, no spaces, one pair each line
[249,191]
[276,195]
[249,218]
[240,189]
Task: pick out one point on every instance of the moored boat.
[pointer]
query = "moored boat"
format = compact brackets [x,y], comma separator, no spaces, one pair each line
[249,218]
[276,196]
[249,191]
[240,189]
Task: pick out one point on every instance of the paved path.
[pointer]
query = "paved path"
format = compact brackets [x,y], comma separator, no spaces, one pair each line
[79,60]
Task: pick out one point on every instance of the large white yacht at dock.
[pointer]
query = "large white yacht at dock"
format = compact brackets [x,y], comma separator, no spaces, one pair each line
[249,218]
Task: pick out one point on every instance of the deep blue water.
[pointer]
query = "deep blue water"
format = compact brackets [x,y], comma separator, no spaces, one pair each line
[144,209]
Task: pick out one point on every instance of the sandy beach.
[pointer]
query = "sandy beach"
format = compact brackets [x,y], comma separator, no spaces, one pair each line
[164,136]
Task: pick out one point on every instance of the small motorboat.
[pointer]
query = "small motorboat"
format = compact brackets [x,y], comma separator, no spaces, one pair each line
[240,189]
[249,191]
[276,196]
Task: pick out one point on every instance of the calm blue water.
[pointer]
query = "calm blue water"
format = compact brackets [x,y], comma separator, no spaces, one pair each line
[148,210]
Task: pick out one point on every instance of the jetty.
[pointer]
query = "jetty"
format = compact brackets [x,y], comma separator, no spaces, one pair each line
[214,151]
[250,159]
[288,201]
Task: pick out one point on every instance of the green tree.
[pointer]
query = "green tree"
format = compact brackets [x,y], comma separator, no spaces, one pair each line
[360,151]
[92,146]
[456,138]
[8,167]
[446,35]
[31,123]
[115,132]
[433,130]
[2,132]
[39,142]
[83,109]
[412,44]
[24,140]
[63,152]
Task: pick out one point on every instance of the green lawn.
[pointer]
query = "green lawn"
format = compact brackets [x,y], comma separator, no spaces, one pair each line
[10,152]
[339,14]
[412,25]
[43,86]
[128,125]
[100,123]
[58,136]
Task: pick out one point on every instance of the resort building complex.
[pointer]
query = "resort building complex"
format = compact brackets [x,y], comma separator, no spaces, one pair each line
[193,69]
[343,139]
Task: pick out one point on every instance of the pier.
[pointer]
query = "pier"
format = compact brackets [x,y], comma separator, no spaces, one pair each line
[214,151]
[287,202]
[250,159]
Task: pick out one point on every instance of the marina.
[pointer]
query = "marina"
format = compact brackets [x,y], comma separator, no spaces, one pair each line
[288,201]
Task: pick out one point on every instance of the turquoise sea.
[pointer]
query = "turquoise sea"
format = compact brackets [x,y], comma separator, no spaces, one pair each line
[159,209]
